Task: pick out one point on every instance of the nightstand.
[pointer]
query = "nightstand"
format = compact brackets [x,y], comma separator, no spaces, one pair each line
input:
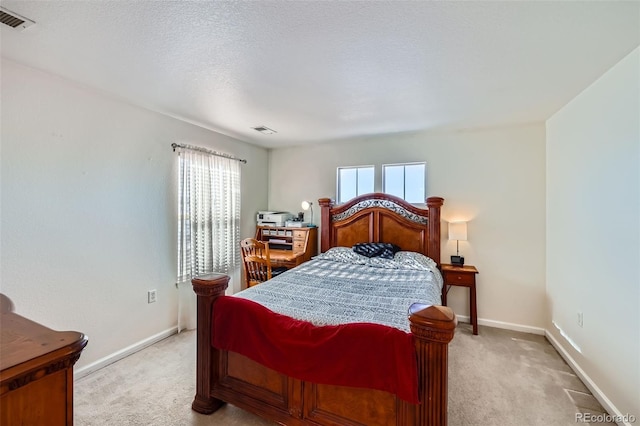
[464,276]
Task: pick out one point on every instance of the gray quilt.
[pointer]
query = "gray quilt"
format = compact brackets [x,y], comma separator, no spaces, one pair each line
[329,292]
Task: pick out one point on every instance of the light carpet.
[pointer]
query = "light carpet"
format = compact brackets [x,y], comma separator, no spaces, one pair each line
[498,377]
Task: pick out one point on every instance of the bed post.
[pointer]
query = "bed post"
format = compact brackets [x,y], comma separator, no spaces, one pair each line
[325,223]
[208,288]
[433,328]
[434,204]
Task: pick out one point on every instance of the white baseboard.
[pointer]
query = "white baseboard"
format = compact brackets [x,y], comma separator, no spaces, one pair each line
[122,353]
[595,390]
[504,325]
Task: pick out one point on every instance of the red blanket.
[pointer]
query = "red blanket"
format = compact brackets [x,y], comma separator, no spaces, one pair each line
[358,355]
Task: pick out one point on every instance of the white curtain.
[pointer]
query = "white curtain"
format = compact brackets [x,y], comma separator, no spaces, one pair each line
[208,222]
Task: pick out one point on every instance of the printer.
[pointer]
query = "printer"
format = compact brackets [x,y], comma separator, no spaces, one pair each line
[268,218]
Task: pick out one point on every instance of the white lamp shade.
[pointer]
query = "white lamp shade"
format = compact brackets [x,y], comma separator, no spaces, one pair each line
[308,205]
[458,231]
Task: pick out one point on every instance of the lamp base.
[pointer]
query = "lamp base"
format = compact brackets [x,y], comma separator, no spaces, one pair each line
[457,260]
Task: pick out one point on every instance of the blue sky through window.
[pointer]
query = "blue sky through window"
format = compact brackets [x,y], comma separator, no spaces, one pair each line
[354,181]
[406,181]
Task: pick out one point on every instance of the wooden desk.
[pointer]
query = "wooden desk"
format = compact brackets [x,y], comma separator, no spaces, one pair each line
[36,371]
[287,258]
[289,247]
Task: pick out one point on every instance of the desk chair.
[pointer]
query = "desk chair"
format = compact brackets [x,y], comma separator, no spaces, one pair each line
[256,262]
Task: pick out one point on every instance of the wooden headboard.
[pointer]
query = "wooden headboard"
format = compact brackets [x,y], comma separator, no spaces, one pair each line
[379,217]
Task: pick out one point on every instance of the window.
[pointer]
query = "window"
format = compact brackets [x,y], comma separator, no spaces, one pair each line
[208,214]
[354,181]
[406,181]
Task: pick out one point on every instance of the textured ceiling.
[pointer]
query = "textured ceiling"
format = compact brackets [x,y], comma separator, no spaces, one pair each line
[318,70]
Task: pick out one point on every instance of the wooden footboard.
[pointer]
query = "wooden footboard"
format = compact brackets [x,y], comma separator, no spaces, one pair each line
[228,377]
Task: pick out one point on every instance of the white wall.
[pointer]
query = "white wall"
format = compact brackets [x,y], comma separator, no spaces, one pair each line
[493,178]
[88,208]
[593,231]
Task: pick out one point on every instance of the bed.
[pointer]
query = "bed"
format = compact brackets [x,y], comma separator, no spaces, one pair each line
[251,378]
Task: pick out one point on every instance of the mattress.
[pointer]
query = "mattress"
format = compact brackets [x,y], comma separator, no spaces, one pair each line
[339,287]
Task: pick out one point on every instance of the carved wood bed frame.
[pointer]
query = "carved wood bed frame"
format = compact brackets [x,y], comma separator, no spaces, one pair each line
[224,376]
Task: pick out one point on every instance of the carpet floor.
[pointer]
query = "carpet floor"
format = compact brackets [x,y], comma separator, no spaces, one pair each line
[499,378]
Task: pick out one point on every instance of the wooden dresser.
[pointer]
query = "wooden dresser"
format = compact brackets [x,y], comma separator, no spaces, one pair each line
[300,243]
[36,370]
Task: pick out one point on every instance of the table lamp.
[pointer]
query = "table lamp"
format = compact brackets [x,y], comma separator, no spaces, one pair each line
[307,205]
[458,232]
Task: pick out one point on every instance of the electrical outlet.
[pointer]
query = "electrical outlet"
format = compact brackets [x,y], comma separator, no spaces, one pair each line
[580,318]
[151,296]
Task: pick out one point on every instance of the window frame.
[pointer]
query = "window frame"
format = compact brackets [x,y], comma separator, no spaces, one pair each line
[404,185]
[364,166]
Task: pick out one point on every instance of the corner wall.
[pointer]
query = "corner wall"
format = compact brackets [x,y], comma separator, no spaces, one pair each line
[593,232]
[88,219]
[494,178]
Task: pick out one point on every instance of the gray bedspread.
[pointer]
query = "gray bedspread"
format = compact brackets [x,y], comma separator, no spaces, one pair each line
[327,292]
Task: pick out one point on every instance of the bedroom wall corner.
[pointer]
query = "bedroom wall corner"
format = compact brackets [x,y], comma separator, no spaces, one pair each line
[593,235]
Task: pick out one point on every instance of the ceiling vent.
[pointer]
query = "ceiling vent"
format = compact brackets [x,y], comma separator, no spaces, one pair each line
[14,20]
[264,130]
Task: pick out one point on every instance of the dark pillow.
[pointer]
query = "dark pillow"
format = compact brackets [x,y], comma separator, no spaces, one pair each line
[384,250]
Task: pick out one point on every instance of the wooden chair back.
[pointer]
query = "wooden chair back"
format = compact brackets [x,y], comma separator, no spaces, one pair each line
[256,261]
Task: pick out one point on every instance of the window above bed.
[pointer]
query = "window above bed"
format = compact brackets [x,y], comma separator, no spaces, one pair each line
[354,181]
[405,180]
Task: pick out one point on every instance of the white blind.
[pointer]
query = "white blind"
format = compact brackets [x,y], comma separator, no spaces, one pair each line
[208,214]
